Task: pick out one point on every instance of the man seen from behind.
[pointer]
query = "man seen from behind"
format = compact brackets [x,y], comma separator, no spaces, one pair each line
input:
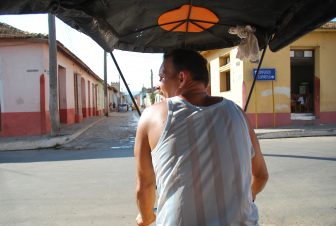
[199,150]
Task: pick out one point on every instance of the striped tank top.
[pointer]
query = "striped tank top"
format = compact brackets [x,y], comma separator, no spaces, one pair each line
[202,164]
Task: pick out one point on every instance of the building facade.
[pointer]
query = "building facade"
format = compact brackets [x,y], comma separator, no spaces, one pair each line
[296,83]
[24,84]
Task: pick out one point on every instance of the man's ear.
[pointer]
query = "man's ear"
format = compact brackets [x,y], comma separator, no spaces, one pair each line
[183,78]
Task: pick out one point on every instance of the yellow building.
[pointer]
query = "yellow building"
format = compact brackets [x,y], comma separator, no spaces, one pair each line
[303,91]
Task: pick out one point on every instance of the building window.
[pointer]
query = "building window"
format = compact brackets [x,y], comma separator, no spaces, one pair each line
[299,53]
[308,53]
[209,84]
[224,60]
[225,81]
[225,75]
[292,53]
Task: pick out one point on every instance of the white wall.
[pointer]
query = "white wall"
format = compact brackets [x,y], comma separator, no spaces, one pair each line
[21,65]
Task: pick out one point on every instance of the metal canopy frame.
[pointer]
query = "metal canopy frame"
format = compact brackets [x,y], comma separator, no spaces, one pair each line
[125,83]
[256,75]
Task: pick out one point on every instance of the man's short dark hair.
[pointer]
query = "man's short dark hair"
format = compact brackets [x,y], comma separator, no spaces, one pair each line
[192,61]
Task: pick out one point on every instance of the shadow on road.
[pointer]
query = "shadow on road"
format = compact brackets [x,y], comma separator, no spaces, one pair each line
[301,157]
[47,155]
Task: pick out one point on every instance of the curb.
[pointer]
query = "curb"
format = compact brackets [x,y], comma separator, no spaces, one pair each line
[297,133]
[45,143]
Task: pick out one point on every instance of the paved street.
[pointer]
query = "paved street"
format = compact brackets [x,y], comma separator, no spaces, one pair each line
[90,181]
[302,184]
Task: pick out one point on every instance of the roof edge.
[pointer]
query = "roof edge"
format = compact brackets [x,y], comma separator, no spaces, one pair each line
[28,36]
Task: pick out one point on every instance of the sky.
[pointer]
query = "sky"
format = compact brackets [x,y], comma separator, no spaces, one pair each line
[136,67]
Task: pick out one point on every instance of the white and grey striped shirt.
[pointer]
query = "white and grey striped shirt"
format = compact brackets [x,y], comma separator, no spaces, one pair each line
[202,164]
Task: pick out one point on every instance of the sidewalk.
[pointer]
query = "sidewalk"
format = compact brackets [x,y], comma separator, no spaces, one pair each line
[70,132]
[67,134]
[297,131]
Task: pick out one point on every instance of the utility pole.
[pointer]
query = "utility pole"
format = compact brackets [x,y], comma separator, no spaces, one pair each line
[53,94]
[151,79]
[105,86]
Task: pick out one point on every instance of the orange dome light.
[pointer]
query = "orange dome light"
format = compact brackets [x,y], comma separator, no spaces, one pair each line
[188,18]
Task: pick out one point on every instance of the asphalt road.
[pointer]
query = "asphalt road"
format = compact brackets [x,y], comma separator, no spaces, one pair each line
[90,181]
[302,184]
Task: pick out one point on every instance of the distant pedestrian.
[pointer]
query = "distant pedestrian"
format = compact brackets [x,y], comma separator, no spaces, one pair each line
[199,150]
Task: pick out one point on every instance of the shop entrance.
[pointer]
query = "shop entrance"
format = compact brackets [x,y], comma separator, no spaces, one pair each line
[302,81]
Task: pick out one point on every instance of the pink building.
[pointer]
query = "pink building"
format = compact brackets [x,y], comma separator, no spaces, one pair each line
[24,84]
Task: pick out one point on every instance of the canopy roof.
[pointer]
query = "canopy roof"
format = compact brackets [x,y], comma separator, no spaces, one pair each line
[157,26]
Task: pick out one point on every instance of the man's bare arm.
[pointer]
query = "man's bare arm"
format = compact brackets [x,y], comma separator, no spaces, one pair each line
[145,189]
[259,169]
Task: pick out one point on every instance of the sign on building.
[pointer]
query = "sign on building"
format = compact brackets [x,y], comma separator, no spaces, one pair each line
[265,74]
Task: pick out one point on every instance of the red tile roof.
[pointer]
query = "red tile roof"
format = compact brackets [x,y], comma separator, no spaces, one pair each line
[7,31]
[330,25]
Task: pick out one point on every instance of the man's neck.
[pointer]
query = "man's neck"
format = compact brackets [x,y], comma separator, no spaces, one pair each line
[196,96]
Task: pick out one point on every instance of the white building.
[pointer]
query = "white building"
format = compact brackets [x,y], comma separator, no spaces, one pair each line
[24,84]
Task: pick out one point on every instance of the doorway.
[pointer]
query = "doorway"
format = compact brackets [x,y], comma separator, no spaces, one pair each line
[76,93]
[1,102]
[62,96]
[302,81]
[83,92]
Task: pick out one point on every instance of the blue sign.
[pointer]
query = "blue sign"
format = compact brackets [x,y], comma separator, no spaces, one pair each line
[265,73]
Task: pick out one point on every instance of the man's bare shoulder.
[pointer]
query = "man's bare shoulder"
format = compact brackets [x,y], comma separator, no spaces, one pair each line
[160,106]
[154,111]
